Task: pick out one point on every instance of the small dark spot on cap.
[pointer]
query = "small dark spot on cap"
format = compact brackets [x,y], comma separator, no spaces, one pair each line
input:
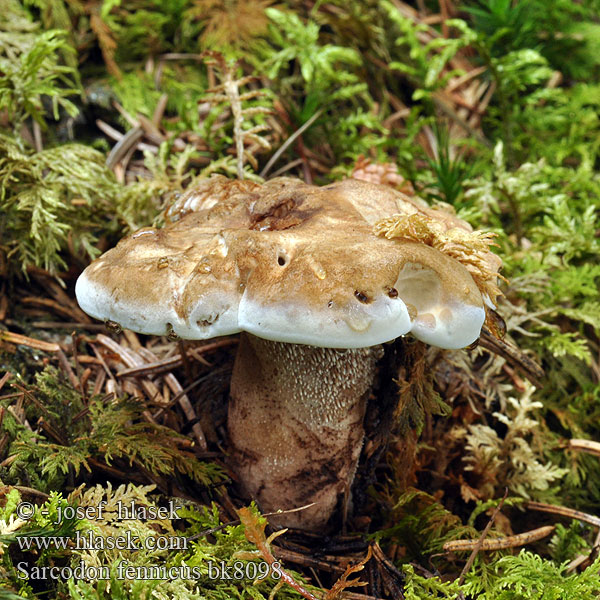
[114,326]
[393,293]
[209,321]
[362,297]
[281,260]
[163,262]
[170,333]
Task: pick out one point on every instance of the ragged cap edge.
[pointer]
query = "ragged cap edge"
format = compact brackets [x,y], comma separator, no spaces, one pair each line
[448,325]
[204,322]
[451,319]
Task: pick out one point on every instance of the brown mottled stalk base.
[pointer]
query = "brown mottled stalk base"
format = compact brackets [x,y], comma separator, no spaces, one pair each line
[296,425]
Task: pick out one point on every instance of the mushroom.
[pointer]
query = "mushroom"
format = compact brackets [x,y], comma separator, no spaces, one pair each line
[316,279]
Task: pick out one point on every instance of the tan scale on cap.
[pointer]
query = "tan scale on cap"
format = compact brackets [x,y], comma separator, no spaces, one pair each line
[295,263]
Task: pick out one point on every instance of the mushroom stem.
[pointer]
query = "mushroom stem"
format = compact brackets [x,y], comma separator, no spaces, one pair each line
[296,425]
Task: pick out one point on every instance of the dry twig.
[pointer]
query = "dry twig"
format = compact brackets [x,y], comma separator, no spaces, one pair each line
[563,511]
[585,446]
[23,340]
[509,541]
